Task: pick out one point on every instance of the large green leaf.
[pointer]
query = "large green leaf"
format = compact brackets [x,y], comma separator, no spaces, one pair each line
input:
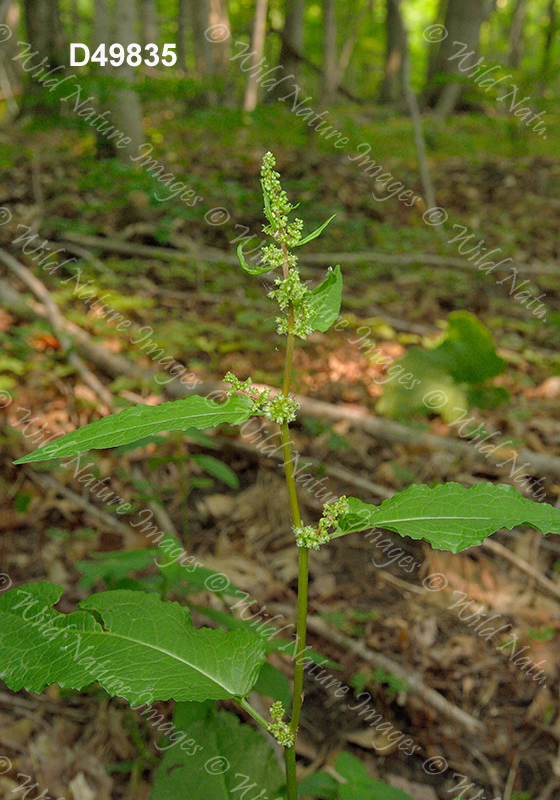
[325,301]
[357,786]
[147,648]
[141,421]
[234,760]
[445,378]
[449,516]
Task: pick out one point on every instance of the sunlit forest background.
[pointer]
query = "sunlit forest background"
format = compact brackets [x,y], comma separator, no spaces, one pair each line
[430,129]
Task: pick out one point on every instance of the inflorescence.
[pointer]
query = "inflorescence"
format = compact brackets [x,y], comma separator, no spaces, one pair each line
[313,538]
[290,291]
[280,730]
[277,408]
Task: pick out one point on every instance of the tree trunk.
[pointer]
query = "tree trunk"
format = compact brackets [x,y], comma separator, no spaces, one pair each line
[102,34]
[330,68]
[257,47]
[463,20]
[45,32]
[148,19]
[126,107]
[392,87]
[184,21]
[292,43]
[516,34]
[212,33]
[10,83]
[46,36]
[550,32]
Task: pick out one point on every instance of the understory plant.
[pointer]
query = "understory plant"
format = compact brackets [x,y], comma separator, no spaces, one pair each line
[143,648]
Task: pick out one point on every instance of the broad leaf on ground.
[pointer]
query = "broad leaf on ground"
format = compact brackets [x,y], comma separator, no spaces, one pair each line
[449,516]
[148,649]
[142,420]
[232,758]
[358,785]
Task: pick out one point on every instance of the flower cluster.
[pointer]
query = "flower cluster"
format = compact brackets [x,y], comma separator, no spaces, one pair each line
[276,408]
[280,730]
[309,536]
[331,514]
[291,291]
[277,206]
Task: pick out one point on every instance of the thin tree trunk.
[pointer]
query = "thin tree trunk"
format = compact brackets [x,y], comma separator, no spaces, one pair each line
[46,35]
[126,109]
[550,32]
[516,34]
[392,88]
[463,20]
[45,32]
[211,34]
[219,51]
[329,50]
[184,20]
[148,19]
[292,44]
[257,47]
[102,34]
[351,40]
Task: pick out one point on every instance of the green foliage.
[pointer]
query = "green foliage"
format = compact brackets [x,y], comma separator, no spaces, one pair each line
[217,469]
[229,755]
[148,647]
[140,421]
[357,783]
[449,516]
[325,301]
[463,360]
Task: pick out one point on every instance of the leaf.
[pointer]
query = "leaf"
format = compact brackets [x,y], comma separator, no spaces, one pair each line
[360,786]
[233,760]
[112,567]
[449,516]
[147,648]
[325,301]
[319,785]
[273,683]
[217,469]
[447,378]
[315,233]
[246,267]
[141,421]
[266,634]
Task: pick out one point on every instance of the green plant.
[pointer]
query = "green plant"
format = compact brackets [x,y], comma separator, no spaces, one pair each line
[143,648]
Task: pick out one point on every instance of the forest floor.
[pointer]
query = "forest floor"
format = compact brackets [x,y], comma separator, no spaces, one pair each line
[210,316]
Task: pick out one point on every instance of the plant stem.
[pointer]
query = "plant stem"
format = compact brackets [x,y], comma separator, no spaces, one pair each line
[303,576]
[253,712]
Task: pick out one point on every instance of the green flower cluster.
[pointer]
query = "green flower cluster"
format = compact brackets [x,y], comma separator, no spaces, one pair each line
[331,514]
[309,536]
[290,290]
[280,730]
[276,408]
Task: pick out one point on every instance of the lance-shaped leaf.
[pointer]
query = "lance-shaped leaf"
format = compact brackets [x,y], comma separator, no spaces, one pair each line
[140,421]
[147,650]
[315,233]
[449,516]
[246,267]
[325,301]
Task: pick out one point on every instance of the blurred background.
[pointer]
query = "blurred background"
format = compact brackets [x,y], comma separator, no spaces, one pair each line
[129,174]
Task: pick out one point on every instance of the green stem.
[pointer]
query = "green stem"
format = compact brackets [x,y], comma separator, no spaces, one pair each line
[291,780]
[252,711]
[303,576]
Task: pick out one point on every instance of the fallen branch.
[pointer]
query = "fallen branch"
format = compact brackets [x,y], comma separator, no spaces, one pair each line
[415,683]
[57,321]
[213,255]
